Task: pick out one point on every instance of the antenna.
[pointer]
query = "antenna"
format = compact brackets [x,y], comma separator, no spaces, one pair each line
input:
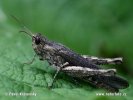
[26,30]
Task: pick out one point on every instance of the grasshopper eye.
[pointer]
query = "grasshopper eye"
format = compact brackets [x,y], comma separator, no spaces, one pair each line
[37,40]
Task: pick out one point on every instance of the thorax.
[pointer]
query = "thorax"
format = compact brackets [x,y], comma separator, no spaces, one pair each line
[46,52]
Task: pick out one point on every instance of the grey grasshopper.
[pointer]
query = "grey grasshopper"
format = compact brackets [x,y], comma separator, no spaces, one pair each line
[85,68]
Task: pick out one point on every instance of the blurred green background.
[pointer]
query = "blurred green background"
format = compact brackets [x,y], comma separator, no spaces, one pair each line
[101,28]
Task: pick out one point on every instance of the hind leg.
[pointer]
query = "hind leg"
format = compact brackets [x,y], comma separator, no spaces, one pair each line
[102,61]
[78,71]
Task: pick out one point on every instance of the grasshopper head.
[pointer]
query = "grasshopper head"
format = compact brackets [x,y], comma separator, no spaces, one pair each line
[38,43]
[38,39]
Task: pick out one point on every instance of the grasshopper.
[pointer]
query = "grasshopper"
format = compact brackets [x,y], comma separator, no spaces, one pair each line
[85,68]
[78,66]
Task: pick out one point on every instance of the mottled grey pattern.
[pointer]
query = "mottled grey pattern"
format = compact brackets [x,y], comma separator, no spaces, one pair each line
[81,67]
[101,61]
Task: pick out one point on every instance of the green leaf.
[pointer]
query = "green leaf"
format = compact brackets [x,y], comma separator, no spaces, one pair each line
[89,27]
